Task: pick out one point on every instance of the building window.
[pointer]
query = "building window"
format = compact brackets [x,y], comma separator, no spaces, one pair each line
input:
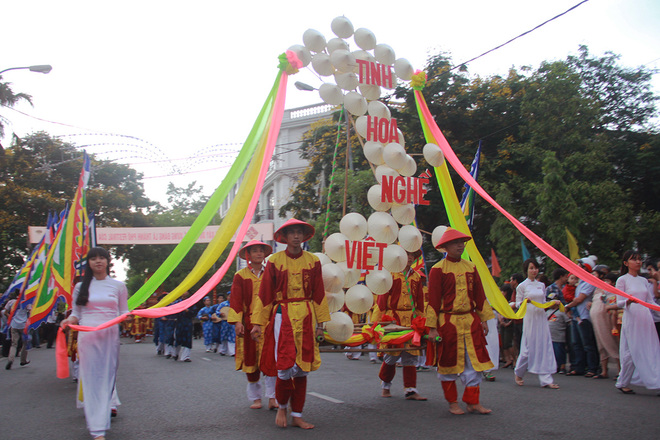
[270,212]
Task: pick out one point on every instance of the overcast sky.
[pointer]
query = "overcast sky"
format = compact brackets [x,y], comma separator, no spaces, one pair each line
[177,78]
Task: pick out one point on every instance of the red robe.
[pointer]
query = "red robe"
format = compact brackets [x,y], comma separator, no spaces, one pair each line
[292,285]
[241,302]
[457,307]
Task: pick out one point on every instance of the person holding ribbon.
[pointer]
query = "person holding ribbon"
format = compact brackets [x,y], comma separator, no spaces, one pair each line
[536,352]
[245,288]
[458,312]
[292,303]
[96,300]
[401,304]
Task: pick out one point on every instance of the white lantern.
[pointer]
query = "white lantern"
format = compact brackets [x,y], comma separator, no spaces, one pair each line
[322,65]
[342,27]
[353,226]
[359,299]
[340,326]
[384,54]
[361,125]
[395,258]
[379,281]
[394,155]
[351,276]
[403,214]
[355,103]
[374,196]
[331,94]
[433,155]
[382,227]
[343,60]
[347,81]
[403,69]
[363,55]
[410,238]
[379,110]
[370,91]
[409,168]
[373,151]
[335,246]
[437,234]
[333,278]
[384,170]
[336,44]
[364,38]
[314,40]
[302,53]
[335,301]
[323,258]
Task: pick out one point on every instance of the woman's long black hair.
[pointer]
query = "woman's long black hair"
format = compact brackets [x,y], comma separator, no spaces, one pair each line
[83,295]
[627,255]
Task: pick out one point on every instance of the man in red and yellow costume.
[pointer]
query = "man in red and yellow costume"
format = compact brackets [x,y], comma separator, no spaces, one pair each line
[403,302]
[244,290]
[292,302]
[458,311]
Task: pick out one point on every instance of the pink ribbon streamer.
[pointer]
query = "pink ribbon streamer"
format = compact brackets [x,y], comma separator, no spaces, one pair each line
[276,122]
[61,355]
[551,252]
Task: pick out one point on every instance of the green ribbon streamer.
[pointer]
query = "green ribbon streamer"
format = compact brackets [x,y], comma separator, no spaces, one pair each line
[212,206]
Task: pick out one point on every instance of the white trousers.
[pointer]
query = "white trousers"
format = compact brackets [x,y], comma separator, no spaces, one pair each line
[469,377]
[254,388]
[228,348]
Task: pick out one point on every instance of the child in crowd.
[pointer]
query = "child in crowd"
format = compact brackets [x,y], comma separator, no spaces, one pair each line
[558,323]
[569,288]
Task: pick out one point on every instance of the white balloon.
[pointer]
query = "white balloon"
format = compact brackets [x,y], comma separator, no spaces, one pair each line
[302,52]
[409,168]
[384,170]
[335,247]
[335,301]
[437,234]
[359,299]
[403,214]
[382,227]
[323,258]
[410,238]
[347,81]
[395,258]
[343,60]
[322,65]
[342,27]
[374,196]
[394,155]
[370,91]
[340,326]
[314,40]
[351,276]
[333,278]
[364,38]
[353,226]
[355,103]
[336,44]
[384,54]
[363,55]
[331,94]
[361,125]
[433,155]
[373,151]
[379,281]
[403,69]
[379,110]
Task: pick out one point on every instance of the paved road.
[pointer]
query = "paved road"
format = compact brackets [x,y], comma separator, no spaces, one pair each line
[163,399]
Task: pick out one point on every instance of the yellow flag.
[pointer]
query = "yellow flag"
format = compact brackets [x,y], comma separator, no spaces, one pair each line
[573,253]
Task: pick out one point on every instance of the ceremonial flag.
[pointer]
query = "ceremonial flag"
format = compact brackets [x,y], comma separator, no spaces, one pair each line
[467,202]
[495,269]
[573,250]
[525,252]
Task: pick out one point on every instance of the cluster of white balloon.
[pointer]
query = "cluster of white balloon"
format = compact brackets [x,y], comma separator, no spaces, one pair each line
[359,76]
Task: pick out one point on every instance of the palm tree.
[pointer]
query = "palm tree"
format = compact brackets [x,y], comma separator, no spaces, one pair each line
[9,99]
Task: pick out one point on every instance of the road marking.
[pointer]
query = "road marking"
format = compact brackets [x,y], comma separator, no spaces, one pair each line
[206,359]
[324,397]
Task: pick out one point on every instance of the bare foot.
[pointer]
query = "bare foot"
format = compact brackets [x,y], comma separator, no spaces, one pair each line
[553,386]
[519,381]
[415,396]
[386,393]
[478,409]
[280,418]
[300,423]
[256,404]
[272,404]
[455,409]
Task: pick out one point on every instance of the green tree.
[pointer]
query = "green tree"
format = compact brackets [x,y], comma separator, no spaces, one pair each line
[9,99]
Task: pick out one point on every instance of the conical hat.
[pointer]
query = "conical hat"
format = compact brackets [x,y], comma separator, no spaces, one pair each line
[243,252]
[451,234]
[308,230]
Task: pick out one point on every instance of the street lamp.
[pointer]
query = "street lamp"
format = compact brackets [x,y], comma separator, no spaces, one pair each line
[300,86]
[41,68]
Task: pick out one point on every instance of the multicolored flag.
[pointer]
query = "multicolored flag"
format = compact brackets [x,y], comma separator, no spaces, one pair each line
[525,253]
[467,202]
[495,269]
[573,249]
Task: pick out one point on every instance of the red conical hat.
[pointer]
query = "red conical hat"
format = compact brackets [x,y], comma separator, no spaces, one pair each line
[451,234]
[243,252]
[308,230]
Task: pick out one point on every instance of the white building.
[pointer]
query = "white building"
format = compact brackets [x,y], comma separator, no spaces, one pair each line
[285,168]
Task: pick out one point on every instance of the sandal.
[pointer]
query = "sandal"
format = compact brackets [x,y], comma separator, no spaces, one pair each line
[573,373]
[600,376]
[626,390]
[589,374]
